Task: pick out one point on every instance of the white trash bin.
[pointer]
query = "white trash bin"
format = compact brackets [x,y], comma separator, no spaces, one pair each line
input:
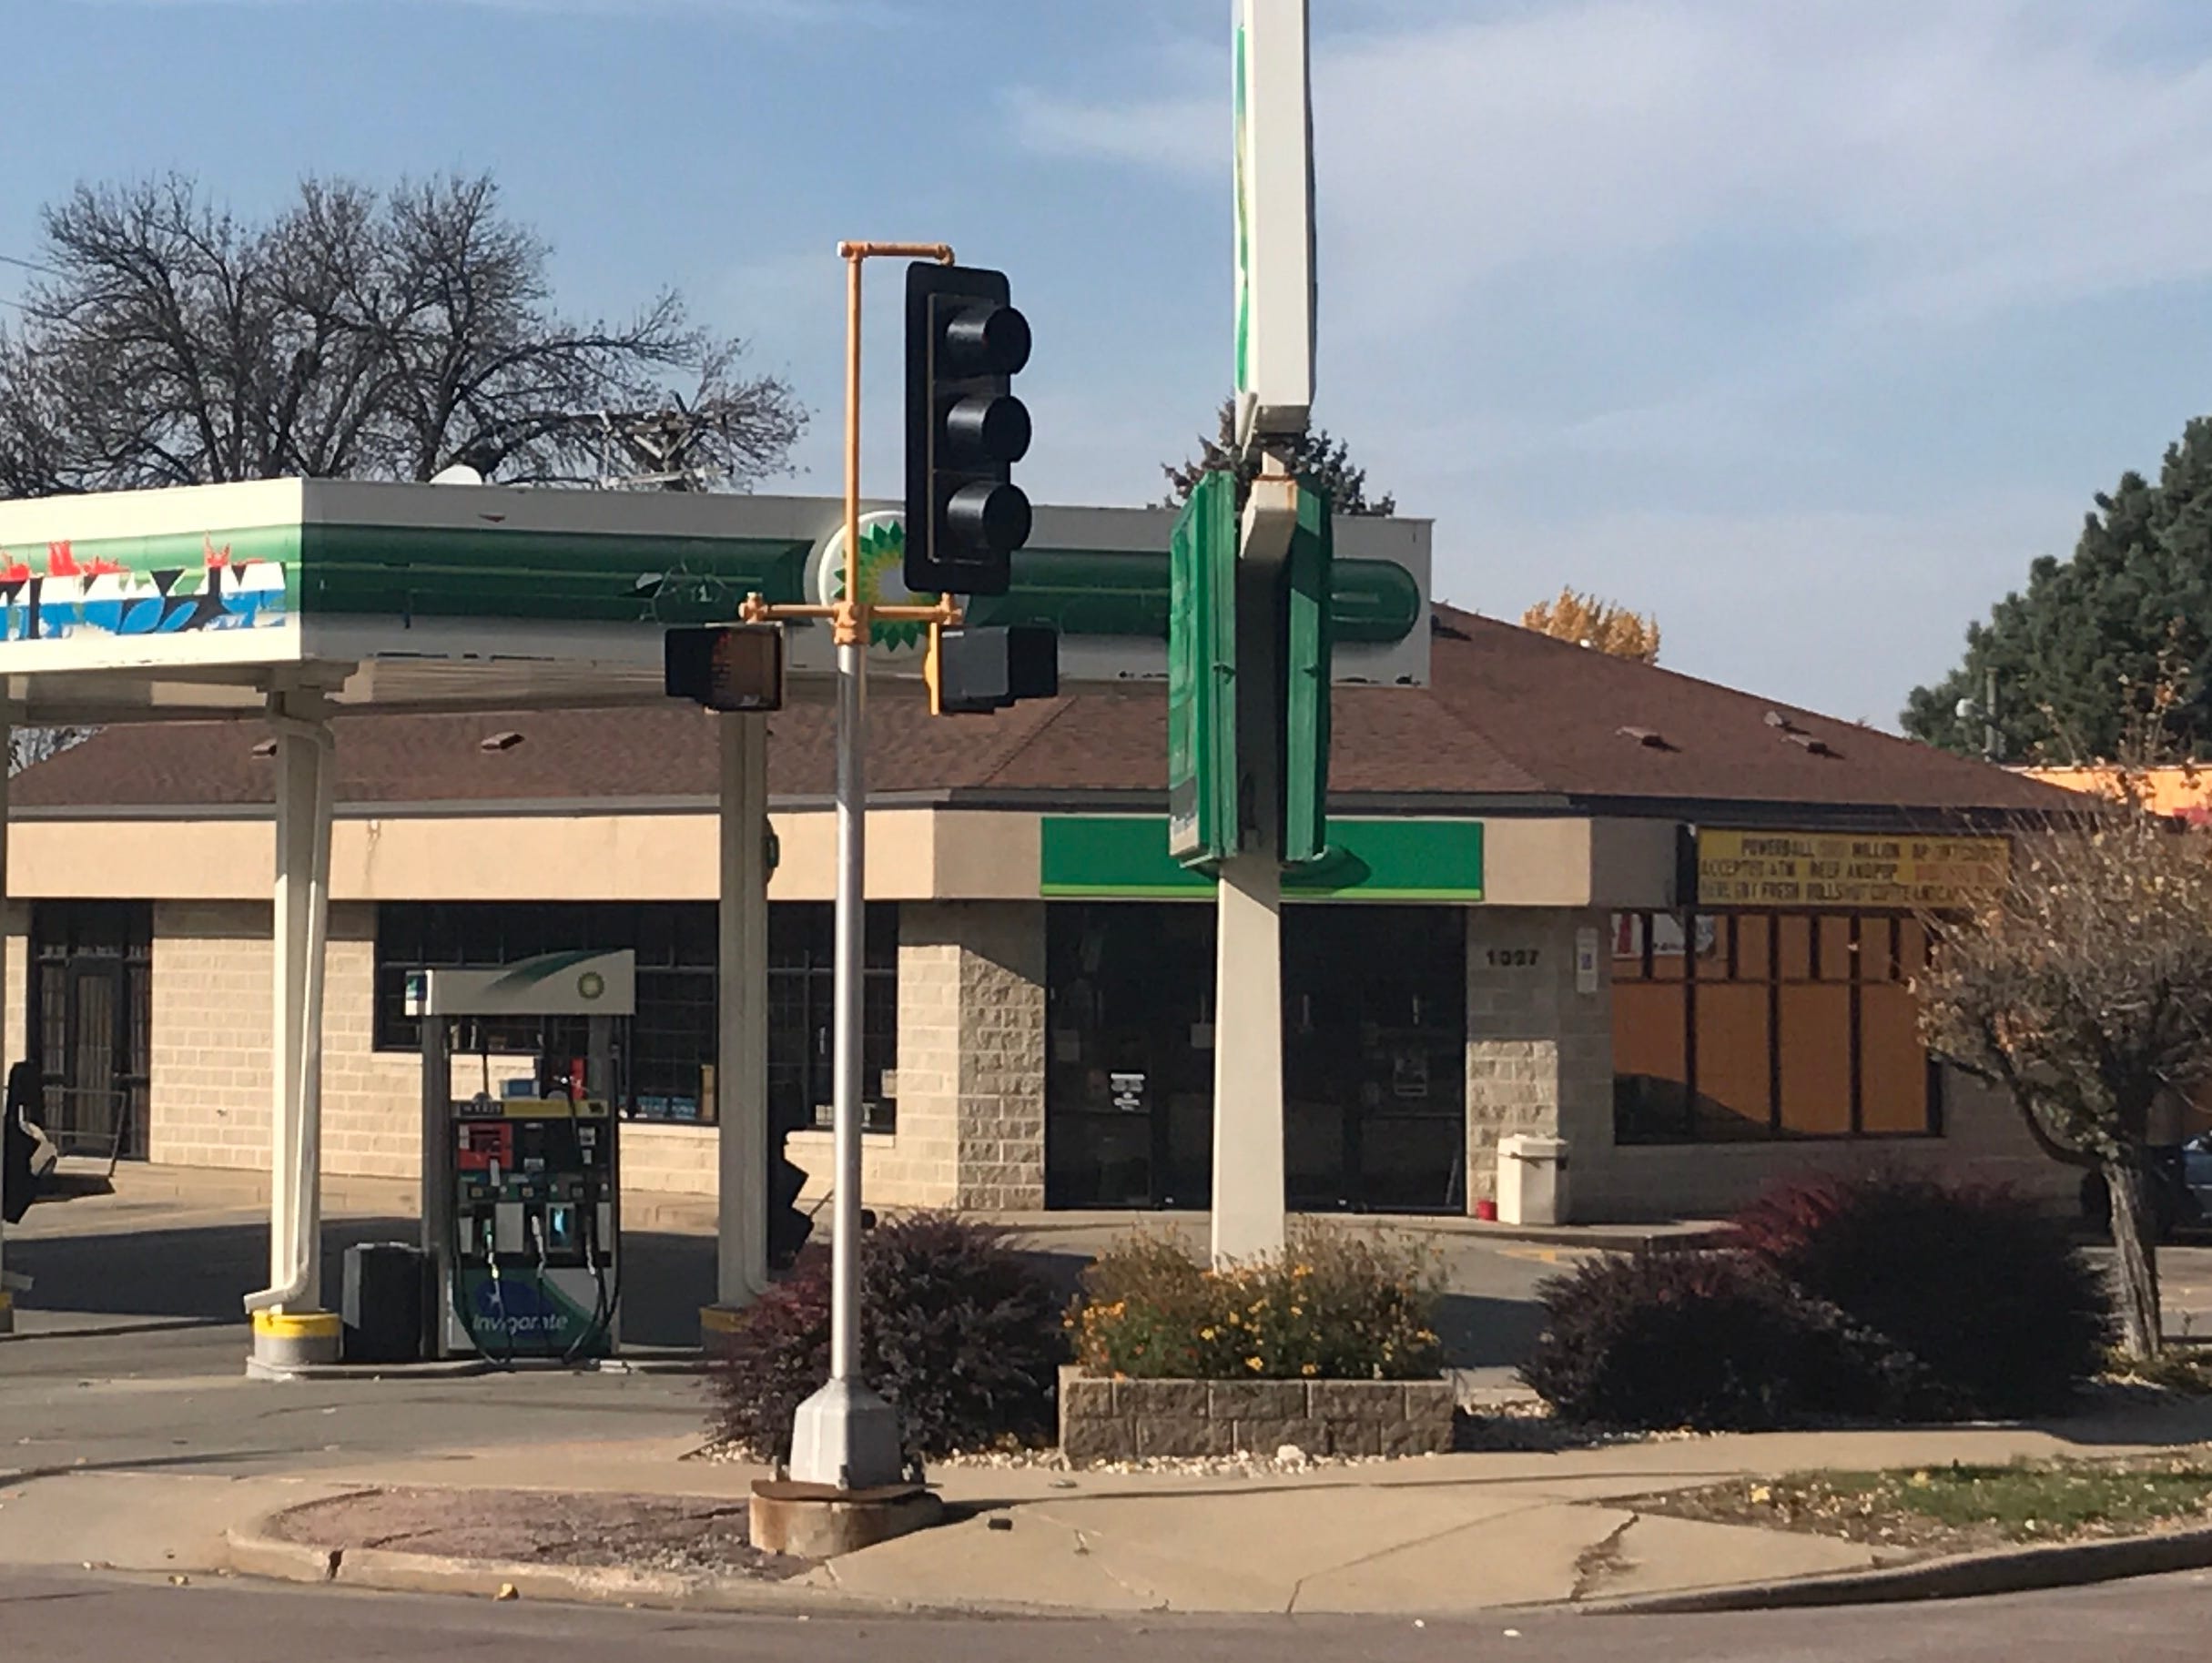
[1531,1179]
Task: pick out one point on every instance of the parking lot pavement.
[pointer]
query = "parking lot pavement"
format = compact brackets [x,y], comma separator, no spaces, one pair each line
[149,1280]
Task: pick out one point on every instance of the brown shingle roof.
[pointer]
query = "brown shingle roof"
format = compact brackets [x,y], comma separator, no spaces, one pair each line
[1510,714]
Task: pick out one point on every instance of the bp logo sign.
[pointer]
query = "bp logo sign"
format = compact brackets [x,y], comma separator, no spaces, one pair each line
[883,553]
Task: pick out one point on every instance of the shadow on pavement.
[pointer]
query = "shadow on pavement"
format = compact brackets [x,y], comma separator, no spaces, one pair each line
[202,1274]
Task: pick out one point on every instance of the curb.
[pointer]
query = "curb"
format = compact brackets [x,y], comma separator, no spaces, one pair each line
[2018,1570]
[116,1331]
[469,1368]
[252,1552]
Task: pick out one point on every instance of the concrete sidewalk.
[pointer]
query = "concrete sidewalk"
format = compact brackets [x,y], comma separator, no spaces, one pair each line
[1434,1536]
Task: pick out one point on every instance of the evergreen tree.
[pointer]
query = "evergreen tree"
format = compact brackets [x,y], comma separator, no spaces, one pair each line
[1323,461]
[2087,651]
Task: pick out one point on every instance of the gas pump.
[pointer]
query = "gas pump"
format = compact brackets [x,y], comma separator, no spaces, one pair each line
[521,1202]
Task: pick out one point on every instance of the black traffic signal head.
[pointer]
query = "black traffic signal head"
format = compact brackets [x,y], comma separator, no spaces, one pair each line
[965,431]
[726,666]
[987,669]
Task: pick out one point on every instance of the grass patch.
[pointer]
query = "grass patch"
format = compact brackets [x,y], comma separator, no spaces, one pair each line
[1959,1508]
[2185,1370]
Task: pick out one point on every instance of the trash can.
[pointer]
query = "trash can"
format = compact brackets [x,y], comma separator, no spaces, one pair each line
[1531,1179]
[382,1306]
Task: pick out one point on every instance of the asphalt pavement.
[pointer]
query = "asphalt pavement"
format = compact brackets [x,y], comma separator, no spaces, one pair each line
[93,1620]
[173,1252]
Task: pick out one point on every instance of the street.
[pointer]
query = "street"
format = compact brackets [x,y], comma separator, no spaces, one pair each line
[64,1620]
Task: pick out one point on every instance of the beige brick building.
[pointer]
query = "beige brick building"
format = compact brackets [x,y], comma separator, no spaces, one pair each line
[1520,934]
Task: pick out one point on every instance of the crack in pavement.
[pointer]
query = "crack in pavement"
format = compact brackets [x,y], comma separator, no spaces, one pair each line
[1601,1559]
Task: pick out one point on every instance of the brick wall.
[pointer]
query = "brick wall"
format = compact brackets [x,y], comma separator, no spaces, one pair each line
[1539,1051]
[213,1003]
[1001,1055]
[971,1022]
[16,918]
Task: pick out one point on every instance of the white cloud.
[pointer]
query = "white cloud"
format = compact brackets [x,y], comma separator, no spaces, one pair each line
[1972,155]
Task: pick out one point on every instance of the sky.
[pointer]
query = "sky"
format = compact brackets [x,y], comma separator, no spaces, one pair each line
[1803,327]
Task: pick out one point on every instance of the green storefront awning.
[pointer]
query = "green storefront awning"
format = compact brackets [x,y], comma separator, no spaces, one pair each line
[1126,857]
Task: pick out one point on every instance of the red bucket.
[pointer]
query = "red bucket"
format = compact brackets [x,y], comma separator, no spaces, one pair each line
[1487,1211]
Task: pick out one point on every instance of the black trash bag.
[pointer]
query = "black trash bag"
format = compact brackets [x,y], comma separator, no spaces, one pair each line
[18,1145]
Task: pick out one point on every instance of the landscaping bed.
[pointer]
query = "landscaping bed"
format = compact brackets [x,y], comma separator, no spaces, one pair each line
[1124,1420]
[686,1534]
[1943,1510]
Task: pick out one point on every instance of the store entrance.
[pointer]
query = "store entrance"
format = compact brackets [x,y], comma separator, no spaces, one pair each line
[1129,1071]
[1374,1054]
[1374,1058]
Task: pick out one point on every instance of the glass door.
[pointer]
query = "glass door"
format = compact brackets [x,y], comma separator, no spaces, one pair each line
[1129,1070]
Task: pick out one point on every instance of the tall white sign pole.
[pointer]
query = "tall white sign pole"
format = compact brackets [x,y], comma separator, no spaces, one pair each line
[1274,394]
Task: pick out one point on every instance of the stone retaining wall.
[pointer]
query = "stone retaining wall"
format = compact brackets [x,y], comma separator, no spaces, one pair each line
[1124,1420]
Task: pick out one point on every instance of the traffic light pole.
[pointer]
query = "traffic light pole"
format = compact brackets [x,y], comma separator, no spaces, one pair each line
[846,1436]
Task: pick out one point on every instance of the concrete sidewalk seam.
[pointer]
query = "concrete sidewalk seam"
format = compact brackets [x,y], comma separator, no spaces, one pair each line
[1462,1527]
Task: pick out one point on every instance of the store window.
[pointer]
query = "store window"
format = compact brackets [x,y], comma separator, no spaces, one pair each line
[91,1013]
[1373,1056]
[802,1016]
[672,1040]
[1742,1027]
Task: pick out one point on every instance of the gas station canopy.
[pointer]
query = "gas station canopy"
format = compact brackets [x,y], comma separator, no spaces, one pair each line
[201,601]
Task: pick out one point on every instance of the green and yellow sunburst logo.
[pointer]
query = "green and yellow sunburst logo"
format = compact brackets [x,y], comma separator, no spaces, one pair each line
[883,553]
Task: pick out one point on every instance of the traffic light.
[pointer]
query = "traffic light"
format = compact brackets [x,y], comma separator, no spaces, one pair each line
[726,666]
[965,431]
[979,670]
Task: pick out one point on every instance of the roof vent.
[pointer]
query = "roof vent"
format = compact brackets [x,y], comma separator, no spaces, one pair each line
[1775,719]
[1648,737]
[505,741]
[264,747]
[1818,747]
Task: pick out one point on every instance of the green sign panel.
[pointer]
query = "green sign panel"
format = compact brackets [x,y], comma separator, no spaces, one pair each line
[1203,821]
[1115,856]
[1308,639]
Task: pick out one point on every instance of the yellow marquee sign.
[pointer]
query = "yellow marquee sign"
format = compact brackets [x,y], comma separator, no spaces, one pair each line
[1848,869]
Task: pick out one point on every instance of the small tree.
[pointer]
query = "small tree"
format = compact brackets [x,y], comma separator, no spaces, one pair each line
[2084,990]
[1590,622]
[1318,458]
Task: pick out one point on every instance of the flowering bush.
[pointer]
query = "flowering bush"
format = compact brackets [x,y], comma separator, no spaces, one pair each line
[1332,1306]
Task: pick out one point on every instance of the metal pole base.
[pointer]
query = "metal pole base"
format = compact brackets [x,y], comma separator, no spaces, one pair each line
[288,1339]
[846,1437]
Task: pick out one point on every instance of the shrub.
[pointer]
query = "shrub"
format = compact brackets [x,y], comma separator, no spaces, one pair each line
[1332,1306]
[1988,1291]
[957,1331]
[1658,1339]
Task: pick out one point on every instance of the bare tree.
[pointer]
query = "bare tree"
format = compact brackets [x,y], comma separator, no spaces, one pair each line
[2084,990]
[26,745]
[357,333]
